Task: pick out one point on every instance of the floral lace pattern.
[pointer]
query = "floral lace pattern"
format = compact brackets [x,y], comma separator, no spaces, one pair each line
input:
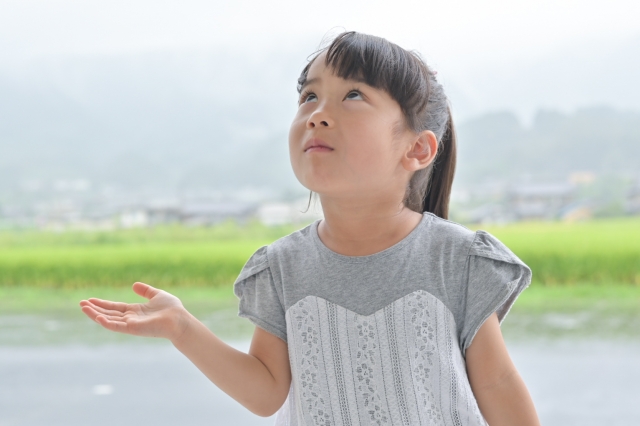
[366,368]
[423,359]
[400,365]
[309,371]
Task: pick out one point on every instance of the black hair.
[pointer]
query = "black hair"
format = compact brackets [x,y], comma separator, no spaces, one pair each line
[405,76]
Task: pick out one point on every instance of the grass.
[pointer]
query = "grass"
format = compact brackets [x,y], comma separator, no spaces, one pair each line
[534,300]
[64,302]
[560,253]
[226,231]
[169,256]
[575,298]
[586,310]
[596,252]
[45,316]
[195,264]
[606,311]
[586,277]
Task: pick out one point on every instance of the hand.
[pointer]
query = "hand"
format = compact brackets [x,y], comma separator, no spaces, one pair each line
[162,316]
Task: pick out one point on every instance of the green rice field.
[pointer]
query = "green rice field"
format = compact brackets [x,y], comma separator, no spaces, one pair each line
[170,256]
[586,277]
[597,252]
[602,252]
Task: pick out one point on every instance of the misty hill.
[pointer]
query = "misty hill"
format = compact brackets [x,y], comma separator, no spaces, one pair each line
[158,119]
[598,139]
[598,72]
[220,120]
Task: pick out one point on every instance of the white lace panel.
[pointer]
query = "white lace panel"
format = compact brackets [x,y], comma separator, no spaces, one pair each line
[401,365]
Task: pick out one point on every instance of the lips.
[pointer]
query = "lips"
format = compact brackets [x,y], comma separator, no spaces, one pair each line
[317,145]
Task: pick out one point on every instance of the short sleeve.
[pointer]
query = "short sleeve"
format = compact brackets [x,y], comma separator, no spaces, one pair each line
[495,278]
[259,298]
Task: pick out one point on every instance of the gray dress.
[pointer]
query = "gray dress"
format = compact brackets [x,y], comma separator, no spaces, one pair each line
[381,339]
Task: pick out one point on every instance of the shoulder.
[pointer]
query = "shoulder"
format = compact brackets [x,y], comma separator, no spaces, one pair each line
[258,262]
[470,242]
[269,255]
[450,227]
[292,243]
[449,235]
[487,245]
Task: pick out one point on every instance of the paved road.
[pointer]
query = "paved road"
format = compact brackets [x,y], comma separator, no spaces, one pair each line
[124,385]
[582,383]
[573,383]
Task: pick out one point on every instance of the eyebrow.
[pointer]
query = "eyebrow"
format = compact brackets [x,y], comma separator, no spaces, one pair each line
[308,82]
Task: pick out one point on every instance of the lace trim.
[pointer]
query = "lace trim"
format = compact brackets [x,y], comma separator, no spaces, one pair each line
[455,416]
[337,360]
[308,369]
[395,364]
[367,370]
[423,359]
[403,365]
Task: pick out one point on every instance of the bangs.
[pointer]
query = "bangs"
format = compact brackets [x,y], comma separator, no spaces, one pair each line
[378,63]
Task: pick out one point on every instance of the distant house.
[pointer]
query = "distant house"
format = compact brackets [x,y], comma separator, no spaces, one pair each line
[279,213]
[488,213]
[134,218]
[275,213]
[539,201]
[633,199]
[163,214]
[210,213]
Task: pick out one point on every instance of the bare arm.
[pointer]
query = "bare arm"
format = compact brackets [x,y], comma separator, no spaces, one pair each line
[501,393]
[258,380]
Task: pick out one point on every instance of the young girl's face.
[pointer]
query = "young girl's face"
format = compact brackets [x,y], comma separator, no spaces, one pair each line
[362,129]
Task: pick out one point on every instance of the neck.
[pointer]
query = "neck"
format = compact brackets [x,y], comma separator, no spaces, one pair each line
[356,228]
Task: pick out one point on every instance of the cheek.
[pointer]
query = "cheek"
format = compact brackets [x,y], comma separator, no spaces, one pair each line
[371,147]
[296,132]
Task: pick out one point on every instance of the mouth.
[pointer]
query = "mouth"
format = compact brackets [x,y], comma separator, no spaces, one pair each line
[317,145]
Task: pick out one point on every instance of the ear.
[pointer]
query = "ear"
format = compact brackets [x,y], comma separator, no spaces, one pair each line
[421,152]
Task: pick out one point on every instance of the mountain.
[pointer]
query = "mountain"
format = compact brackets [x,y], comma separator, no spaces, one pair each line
[219,119]
[598,140]
[160,119]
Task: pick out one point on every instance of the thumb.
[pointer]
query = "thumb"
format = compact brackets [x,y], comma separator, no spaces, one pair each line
[145,290]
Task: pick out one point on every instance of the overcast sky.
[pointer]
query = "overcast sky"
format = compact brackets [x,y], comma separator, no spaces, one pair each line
[87,84]
[449,30]
[456,36]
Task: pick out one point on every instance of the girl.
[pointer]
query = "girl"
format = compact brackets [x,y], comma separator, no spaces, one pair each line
[384,312]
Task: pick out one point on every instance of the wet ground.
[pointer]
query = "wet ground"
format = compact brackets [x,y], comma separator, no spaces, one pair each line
[65,370]
[116,384]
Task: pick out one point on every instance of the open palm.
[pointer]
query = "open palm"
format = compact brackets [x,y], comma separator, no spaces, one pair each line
[161,316]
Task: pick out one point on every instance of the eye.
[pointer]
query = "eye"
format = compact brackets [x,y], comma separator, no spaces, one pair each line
[308,96]
[354,94]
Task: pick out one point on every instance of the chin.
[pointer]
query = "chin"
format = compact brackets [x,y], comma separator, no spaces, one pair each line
[314,183]
[318,189]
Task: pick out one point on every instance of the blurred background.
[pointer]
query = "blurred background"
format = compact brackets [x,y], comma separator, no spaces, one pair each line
[147,141]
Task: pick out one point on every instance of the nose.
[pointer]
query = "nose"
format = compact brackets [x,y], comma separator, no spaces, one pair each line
[319,118]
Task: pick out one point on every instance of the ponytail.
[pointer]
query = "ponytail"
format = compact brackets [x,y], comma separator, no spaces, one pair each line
[438,193]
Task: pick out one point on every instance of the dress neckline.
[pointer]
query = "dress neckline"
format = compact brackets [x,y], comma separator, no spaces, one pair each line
[426,216]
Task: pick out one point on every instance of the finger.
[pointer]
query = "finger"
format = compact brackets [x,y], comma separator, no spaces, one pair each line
[90,312]
[108,304]
[145,290]
[109,324]
[93,314]
[104,311]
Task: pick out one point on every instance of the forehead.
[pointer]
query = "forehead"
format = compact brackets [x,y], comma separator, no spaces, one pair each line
[319,71]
